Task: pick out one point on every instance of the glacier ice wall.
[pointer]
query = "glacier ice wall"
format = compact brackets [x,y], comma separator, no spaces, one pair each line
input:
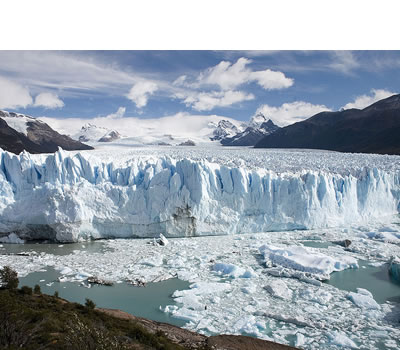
[66,197]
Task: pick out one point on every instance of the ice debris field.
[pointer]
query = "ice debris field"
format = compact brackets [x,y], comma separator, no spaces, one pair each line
[180,192]
[268,285]
[238,226]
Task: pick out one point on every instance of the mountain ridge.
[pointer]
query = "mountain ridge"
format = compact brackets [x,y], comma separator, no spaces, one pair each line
[374,129]
[19,132]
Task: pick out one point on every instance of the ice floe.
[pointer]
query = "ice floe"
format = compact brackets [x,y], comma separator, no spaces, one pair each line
[302,310]
[305,260]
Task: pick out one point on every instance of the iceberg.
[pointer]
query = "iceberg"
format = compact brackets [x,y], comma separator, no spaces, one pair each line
[363,299]
[305,260]
[69,196]
[394,268]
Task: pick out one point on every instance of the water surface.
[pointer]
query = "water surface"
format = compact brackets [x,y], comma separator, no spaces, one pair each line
[138,301]
[375,279]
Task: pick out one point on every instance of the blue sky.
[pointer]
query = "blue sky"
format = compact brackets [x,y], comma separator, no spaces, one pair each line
[285,85]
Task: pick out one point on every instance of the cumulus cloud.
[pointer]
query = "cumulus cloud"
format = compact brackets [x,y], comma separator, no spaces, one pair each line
[289,113]
[206,101]
[13,95]
[228,76]
[48,100]
[141,91]
[363,101]
[118,114]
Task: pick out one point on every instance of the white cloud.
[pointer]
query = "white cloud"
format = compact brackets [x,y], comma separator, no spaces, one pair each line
[180,81]
[363,101]
[289,113]
[48,100]
[141,91]
[206,101]
[118,114]
[13,95]
[228,76]
[344,61]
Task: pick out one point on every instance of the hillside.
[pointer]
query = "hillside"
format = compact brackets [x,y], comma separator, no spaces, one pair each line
[38,321]
[19,132]
[374,129]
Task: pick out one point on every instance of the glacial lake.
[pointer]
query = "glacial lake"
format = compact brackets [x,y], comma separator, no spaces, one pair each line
[139,301]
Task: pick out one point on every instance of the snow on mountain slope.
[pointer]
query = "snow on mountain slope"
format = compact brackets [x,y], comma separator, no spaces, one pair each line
[179,192]
[171,130]
[92,133]
[18,122]
[224,129]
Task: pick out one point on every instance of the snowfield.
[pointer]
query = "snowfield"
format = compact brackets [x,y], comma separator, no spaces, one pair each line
[120,191]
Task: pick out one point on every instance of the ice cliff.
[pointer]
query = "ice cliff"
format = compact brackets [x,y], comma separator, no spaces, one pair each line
[67,197]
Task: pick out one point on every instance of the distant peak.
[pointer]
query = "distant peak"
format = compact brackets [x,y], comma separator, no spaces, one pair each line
[257,120]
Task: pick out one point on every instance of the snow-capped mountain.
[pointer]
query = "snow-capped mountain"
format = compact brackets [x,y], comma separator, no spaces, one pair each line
[19,132]
[93,133]
[225,129]
[258,127]
[257,120]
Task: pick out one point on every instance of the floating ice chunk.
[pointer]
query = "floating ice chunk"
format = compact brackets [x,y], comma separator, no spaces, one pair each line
[247,325]
[394,268]
[155,260]
[302,259]
[390,236]
[300,339]
[363,299]
[249,288]
[320,296]
[341,339]
[279,289]
[162,240]
[365,292]
[12,238]
[197,297]
[234,271]
[82,275]
[66,271]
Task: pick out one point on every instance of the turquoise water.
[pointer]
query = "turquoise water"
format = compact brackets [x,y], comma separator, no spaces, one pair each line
[375,279]
[138,301]
[317,244]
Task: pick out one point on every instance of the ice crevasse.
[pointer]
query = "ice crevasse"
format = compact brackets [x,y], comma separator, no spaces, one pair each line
[68,197]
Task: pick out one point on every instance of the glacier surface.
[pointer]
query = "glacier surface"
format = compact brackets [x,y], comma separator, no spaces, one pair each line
[69,196]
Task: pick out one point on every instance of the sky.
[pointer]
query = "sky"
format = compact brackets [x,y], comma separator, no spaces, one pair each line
[286,86]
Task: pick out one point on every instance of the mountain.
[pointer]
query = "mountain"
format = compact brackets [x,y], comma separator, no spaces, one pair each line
[374,129]
[19,132]
[110,136]
[93,133]
[224,129]
[259,126]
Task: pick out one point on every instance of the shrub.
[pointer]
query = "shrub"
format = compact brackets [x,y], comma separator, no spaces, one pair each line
[90,304]
[37,289]
[56,293]
[9,278]
[26,290]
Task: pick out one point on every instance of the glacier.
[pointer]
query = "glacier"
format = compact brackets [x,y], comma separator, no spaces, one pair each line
[71,196]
